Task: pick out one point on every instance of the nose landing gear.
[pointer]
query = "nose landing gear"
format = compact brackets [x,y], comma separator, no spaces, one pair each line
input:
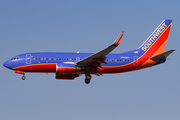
[21,72]
[23,77]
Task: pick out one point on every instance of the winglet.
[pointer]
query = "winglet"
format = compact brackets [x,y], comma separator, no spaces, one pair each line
[118,40]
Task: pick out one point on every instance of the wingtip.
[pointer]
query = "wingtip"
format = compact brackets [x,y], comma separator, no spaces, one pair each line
[118,40]
[121,33]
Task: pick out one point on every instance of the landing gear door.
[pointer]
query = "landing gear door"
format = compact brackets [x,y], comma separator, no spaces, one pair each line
[28,58]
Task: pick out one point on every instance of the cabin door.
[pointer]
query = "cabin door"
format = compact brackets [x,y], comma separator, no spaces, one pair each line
[135,58]
[28,58]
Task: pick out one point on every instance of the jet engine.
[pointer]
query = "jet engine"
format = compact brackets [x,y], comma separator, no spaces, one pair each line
[65,68]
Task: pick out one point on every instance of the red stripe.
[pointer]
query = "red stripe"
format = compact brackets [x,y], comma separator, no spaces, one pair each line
[38,68]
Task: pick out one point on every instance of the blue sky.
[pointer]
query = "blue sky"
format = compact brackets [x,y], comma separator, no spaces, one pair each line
[88,26]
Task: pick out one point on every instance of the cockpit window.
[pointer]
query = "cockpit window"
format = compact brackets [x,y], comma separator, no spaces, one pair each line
[15,58]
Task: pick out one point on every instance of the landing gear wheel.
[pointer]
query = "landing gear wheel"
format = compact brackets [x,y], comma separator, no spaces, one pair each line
[87,79]
[23,77]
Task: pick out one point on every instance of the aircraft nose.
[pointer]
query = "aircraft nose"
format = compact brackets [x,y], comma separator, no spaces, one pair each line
[6,64]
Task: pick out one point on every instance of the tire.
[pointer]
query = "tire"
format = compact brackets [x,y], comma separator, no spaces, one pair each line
[23,77]
[87,81]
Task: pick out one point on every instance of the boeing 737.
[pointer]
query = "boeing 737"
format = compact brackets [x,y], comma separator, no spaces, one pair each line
[68,66]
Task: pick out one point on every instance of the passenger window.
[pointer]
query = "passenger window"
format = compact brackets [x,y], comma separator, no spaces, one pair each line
[64,58]
[39,58]
[46,58]
[54,58]
[109,59]
[34,58]
[117,59]
[59,58]
[51,58]
[112,59]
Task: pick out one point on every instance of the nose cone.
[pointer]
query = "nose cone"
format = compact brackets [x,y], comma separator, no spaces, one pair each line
[7,64]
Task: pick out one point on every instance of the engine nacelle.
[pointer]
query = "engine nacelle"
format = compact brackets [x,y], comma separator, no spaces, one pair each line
[65,68]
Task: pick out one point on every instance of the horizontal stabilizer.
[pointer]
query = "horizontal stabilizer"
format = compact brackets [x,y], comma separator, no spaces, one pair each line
[162,55]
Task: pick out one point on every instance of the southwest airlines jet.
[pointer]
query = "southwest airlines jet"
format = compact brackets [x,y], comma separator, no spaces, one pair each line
[68,66]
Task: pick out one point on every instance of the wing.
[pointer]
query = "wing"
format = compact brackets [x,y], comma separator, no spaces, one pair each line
[95,60]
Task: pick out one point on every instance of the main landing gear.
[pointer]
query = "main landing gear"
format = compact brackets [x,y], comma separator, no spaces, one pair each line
[88,78]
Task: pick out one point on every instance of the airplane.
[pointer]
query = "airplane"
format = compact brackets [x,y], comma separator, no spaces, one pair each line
[68,66]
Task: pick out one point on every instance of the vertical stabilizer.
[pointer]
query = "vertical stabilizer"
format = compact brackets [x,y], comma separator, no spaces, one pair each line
[156,42]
